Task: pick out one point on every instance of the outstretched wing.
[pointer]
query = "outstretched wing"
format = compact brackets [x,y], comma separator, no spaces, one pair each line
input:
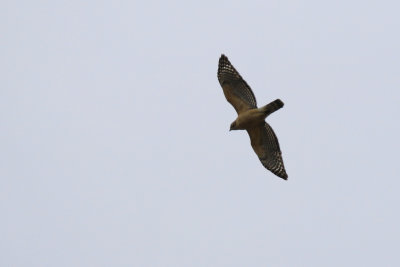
[236,90]
[266,145]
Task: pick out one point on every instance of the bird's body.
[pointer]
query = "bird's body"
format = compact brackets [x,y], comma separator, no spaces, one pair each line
[249,119]
[256,117]
[263,139]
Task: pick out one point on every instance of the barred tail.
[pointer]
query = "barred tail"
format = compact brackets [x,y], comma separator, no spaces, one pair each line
[272,107]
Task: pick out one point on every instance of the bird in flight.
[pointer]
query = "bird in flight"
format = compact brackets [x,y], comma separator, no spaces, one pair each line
[250,118]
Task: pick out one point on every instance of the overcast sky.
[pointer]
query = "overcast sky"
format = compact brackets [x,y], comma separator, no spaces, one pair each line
[114,141]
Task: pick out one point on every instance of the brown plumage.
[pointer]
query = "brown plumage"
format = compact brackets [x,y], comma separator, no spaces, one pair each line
[250,118]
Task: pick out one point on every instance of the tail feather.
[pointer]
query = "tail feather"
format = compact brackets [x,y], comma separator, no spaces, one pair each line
[272,107]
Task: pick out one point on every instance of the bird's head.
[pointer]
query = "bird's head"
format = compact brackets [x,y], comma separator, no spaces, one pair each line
[233,126]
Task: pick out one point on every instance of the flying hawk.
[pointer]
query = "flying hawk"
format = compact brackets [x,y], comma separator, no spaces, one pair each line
[250,118]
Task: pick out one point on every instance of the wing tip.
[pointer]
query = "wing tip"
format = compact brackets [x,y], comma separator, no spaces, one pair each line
[222,63]
[284,177]
[223,60]
[281,173]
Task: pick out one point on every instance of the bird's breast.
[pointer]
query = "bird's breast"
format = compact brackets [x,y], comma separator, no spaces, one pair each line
[249,119]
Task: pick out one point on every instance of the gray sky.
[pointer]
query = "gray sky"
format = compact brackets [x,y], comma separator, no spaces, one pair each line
[114,142]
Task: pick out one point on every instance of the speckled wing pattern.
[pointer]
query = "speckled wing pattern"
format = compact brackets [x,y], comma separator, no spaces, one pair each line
[236,90]
[266,145]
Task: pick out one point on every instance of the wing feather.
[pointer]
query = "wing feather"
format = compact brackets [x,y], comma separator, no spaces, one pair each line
[236,90]
[266,145]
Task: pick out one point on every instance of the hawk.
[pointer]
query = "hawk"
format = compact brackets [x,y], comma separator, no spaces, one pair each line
[250,118]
